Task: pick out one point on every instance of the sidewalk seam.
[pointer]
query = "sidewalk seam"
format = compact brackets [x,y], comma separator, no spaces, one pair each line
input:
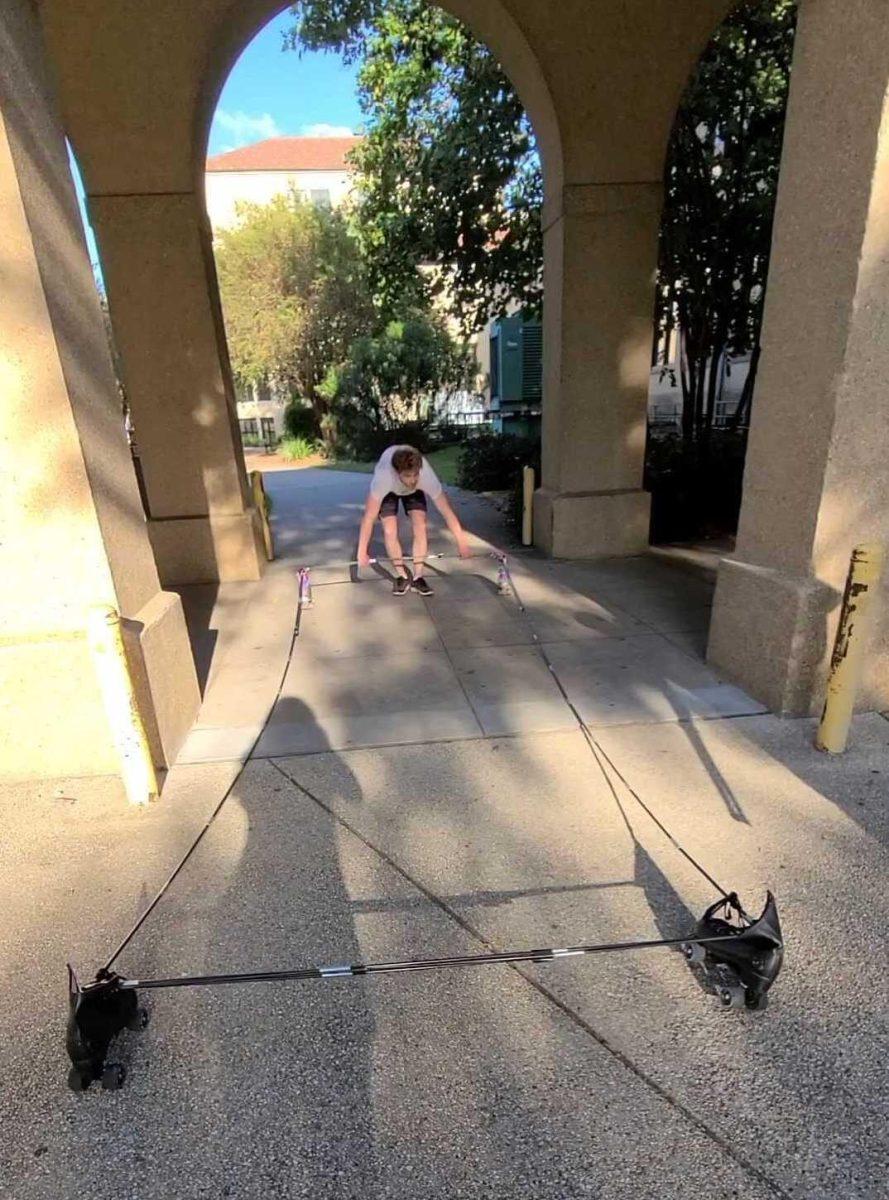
[544,991]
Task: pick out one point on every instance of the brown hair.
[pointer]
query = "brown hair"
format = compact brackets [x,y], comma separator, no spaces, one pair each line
[406,458]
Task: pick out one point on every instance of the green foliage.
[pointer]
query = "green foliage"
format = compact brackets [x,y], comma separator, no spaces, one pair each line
[695,486]
[720,187]
[437,185]
[300,420]
[493,462]
[296,448]
[390,383]
[293,293]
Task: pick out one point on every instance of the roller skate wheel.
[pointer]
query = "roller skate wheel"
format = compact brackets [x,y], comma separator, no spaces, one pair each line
[732,997]
[694,954]
[139,1020]
[78,1081]
[758,1003]
[113,1077]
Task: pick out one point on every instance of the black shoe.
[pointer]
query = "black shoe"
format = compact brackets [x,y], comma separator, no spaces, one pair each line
[420,585]
[401,586]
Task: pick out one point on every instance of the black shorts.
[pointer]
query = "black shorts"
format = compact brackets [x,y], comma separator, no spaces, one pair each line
[413,501]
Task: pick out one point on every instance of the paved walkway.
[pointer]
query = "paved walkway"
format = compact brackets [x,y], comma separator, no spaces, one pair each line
[422,788]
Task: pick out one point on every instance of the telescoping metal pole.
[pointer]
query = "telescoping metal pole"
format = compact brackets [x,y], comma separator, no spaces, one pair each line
[354,970]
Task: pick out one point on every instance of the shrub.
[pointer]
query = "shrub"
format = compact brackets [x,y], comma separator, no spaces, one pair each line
[493,462]
[300,421]
[295,448]
[352,435]
[695,489]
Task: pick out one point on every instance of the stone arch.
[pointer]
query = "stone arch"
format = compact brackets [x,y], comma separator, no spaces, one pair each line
[489,21]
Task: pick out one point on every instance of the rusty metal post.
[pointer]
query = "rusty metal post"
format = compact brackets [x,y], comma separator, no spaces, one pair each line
[847,661]
[259,499]
[527,505]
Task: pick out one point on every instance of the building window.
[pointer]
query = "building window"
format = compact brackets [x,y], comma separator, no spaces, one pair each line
[320,196]
[249,427]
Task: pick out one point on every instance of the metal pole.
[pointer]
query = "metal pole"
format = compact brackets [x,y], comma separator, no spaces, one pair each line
[847,660]
[119,698]
[527,505]
[355,970]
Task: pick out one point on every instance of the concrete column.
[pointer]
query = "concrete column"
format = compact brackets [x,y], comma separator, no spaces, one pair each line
[157,260]
[601,256]
[817,474]
[72,532]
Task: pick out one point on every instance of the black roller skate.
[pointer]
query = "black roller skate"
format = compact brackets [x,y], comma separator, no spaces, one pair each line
[744,962]
[97,1014]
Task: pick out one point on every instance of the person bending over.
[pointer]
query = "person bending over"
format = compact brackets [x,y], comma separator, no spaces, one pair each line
[402,473]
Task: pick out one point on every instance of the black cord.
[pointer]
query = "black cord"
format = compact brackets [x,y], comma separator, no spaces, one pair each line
[595,746]
[216,811]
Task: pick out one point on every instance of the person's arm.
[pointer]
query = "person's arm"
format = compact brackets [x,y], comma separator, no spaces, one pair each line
[443,504]
[371,512]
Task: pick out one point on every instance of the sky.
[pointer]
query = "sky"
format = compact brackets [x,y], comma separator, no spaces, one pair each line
[270,93]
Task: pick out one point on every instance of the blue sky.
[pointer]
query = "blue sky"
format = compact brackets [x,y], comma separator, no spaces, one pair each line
[271,92]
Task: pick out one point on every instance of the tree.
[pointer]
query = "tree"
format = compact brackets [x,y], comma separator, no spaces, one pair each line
[397,377]
[448,172]
[293,292]
[720,186]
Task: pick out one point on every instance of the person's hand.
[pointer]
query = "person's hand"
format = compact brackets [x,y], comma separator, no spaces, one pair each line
[363,558]
[463,548]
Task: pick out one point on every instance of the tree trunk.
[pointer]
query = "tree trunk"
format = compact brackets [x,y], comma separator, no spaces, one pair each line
[742,412]
[687,381]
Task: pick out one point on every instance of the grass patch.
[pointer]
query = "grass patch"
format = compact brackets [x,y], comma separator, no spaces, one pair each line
[443,463]
[294,449]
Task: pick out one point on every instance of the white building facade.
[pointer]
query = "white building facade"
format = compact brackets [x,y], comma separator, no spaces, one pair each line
[318,170]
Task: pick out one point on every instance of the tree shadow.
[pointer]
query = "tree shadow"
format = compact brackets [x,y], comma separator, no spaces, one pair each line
[267,889]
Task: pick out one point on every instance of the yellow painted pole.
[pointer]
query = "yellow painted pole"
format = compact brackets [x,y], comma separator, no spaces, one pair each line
[262,508]
[527,505]
[127,728]
[847,661]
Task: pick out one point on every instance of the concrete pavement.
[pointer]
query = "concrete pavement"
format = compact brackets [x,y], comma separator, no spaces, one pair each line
[423,789]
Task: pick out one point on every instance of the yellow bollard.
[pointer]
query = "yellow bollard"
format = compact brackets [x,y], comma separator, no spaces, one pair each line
[262,508]
[847,659]
[527,505]
[127,729]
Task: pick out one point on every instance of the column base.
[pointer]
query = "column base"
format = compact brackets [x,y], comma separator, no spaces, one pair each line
[591,524]
[163,673]
[52,719]
[770,634]
[221,549]
[773,635]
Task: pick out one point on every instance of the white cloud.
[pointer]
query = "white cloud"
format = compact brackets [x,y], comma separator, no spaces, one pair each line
[322,130]
[242,128]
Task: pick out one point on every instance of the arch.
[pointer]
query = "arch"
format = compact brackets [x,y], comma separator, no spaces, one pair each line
[489,21]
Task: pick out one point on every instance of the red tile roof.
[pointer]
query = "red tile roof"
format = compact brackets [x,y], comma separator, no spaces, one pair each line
[287,154]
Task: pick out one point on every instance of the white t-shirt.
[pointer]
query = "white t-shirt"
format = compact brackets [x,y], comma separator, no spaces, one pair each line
[386,478]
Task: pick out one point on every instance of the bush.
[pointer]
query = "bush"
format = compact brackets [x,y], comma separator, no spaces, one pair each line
[353,436]
[295,448]
[695,489]
[492,462]
[300,421]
